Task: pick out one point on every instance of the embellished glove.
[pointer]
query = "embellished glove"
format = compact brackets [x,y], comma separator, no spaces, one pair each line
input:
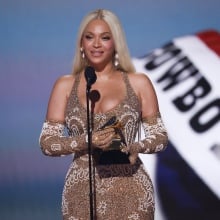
[155,138]
[53,141]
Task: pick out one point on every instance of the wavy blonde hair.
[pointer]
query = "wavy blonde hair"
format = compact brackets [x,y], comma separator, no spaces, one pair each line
[125,63]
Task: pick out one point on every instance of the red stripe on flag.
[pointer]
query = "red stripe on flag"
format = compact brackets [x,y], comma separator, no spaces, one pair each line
[212,39]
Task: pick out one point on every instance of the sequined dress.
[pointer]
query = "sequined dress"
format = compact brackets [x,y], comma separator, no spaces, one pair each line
[121,190]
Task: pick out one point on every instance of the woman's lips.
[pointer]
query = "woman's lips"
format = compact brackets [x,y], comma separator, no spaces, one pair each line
[96,53]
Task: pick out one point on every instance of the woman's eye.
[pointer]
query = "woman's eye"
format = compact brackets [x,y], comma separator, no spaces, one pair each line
[106,38]
[88,37]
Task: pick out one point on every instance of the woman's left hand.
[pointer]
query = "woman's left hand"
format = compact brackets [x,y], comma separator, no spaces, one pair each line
[103,138]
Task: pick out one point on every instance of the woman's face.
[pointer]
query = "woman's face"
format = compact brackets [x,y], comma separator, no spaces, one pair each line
[97,43]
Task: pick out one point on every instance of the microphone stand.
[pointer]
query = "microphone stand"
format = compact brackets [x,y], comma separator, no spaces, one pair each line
[88,87]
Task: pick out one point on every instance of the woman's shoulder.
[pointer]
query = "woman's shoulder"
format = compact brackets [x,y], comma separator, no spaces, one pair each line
[139,80]
[64,81]
[63,84]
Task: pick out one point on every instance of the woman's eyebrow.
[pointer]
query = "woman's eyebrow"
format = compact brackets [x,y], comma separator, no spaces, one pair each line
[90,32]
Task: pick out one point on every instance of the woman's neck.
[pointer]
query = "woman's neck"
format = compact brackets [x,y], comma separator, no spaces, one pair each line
[106,72]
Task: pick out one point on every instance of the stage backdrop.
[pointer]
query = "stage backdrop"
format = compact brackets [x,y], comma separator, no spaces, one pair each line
[175,42]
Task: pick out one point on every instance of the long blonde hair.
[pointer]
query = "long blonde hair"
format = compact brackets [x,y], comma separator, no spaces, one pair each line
[125,63]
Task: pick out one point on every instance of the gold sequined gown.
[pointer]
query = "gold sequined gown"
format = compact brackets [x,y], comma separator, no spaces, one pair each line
[121,190]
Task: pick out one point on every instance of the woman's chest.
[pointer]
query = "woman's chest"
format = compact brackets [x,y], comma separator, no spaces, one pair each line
[104,98]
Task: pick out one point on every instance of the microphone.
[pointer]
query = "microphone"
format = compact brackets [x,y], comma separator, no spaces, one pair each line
[90,76]
[90,79]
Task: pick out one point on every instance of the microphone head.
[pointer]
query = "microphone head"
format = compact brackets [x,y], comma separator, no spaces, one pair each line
[90,75]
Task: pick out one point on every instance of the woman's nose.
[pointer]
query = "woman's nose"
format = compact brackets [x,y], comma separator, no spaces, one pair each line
[96,42]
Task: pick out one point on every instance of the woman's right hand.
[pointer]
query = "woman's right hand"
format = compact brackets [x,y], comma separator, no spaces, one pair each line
[103,138]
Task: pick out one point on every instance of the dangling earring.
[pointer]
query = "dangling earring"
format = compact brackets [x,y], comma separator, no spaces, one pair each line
[116,60]
[82,53]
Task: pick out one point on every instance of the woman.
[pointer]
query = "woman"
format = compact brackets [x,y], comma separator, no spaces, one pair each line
[122,187]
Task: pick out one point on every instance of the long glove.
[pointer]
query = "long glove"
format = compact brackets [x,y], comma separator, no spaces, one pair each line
[155,138]
[53,141]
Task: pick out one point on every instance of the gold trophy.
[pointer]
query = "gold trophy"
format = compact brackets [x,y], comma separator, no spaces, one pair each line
[118,141]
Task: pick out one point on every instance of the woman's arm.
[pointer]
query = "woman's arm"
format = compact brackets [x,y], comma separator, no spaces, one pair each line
[155,132]
[52,139]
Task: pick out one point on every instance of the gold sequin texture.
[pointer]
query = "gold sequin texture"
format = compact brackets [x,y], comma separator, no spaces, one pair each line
[121,191]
